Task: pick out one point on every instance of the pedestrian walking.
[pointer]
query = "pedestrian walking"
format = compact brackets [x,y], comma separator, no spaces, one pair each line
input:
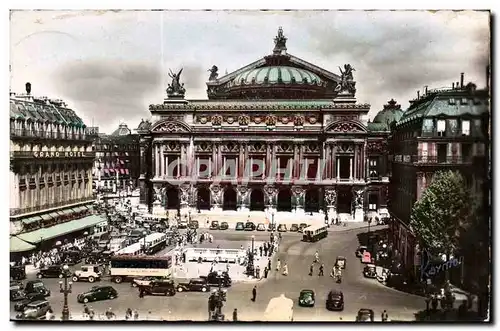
[285,270]
[141,292]
[136,314]
[278,265]
[321,269]
[269,264]
[316,257]
[260,250]
[254,293]
[86,311]
[266,271]
[385,316]
[110,314]
[235,315]
[257,273]
[311,270]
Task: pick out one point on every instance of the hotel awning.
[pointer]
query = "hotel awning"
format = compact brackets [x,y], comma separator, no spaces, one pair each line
[18,245]
[61,229]
[46,217]
[31,220]
[65,212]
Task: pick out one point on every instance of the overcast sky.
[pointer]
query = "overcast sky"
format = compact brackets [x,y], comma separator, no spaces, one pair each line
[110,65]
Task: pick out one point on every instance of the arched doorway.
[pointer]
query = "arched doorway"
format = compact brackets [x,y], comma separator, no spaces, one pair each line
[203,198]
[257,199]
[284,200]
[173,198]
[311,203]
[344,201]
[230,199]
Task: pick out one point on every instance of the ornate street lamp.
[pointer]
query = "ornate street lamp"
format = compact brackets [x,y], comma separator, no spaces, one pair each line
[65,289]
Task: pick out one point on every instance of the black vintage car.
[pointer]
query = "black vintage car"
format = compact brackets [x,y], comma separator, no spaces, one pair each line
[306,298]
[18,272]
[302,226]
[95,257]
[194,285]
[214,279]
[159,287]
[194,225]
[335,300]
[240,226]
[53,271]
[71,257]
[282,228]
[36,286]
[365,315]
[294,228]
[97,293]
[16,292]
[223,226]
[249,226]
[271,227]
[29,298]
[214,225]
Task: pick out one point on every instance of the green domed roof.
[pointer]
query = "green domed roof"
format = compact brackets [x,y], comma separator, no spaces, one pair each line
[277,75]
[391,113]
[122,130]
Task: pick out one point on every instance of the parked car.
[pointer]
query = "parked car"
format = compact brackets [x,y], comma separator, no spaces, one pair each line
[302,226]
[158,287]
[261,227]
[36,286]
[361,250]
[294,228]
[306,298]
[91,273]
[35,310]
[335,300]
[144,281]
[97,293]
[214,225]
[240,226]
[340,261]
[53,271]
[271,227]
[16,285]
[27,299]
[71,257]
[365,315]
[213,279]
[194,225]
[282,228]
[249,226]
[16,294]
[223,226]
[182,225]
[194,285]
[18,272]
[370,271]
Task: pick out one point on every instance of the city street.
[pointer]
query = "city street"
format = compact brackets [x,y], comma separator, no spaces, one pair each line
[358,291]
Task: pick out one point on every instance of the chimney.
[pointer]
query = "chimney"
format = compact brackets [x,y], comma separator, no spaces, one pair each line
[457,86]
[452,85]
[462,80]
[28,88]
[487,77]
[425,87]
[418,95]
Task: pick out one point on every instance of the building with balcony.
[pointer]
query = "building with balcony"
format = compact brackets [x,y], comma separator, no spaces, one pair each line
[280,135]
[116,166]
[445,129]
[51,161]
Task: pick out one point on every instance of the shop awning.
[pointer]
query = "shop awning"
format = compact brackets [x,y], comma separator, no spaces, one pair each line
[61,229]
[65,212]
[78,209]
[46,217]
[18,245]
[31,220]
[54,215]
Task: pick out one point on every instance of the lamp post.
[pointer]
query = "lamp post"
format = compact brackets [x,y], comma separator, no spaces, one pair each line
[189,214]
[65,289]
[272,220]
[253,240]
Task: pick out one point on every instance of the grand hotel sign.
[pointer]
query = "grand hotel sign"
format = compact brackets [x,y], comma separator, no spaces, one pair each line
[61,154]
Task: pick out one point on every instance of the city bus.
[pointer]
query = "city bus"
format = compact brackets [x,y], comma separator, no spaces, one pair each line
[128,267]
[314,233]
[155,242]
[134,249]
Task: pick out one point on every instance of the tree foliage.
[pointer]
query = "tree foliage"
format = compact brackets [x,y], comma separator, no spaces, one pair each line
[444,209]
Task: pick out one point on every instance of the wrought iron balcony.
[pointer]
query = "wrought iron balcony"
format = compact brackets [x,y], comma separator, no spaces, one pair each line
[51,155]
[441,160]
[42,134]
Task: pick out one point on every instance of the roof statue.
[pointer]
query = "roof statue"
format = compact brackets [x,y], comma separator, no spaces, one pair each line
[280,42]
[347,83]
[213,73]
[175,89]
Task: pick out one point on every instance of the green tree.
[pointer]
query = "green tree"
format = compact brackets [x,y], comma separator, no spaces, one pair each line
[443,210]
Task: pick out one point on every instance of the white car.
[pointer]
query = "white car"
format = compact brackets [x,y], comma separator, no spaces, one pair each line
[143,281]
[90,273]
[261,227]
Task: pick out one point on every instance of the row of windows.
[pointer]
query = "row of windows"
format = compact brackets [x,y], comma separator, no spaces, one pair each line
[49,169]
[126,147]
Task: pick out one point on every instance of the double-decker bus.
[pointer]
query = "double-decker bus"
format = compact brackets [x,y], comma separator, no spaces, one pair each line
[314,233]
[155,242]
[127,267]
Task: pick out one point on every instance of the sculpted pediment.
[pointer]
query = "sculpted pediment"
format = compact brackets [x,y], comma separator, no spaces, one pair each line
[346,127]
[171,127]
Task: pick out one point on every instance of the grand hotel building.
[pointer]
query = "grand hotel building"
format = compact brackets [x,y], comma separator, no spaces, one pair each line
[201,155]
[51,162]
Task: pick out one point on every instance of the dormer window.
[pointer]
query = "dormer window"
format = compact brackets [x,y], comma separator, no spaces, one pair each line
[465,128]
[464,101]
[451,101]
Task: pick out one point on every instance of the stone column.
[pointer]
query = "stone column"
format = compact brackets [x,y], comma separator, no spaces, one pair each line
[350,167]
[363,162]
[333,168]
[331,202]
[182,159]
[243,197]
[337,162]
[296,161]
[215,197]
[356,157]
[298,195]
[241,162]
[274,163]
[213,161]
[163,169]
[302,163]
[267,172]
[191,160]
[220,165]
[157,160]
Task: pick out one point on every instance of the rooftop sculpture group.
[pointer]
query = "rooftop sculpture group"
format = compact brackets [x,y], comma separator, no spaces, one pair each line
[175,89]
[347,83]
